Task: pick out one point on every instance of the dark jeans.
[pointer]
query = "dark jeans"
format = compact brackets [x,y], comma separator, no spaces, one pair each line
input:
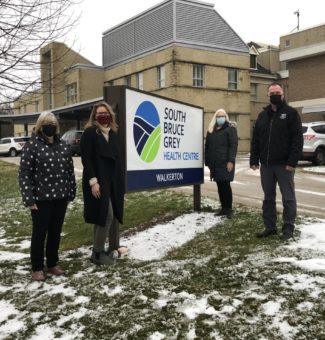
[270,176]
[47,221]
[225,194]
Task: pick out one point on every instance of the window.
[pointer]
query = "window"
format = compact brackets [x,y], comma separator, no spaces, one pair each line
[287,43]
[253,91]
[233,117]
[197,75]
[36,106]
[127,81]
[232,79]
[161,76]
[253,61]
[319,129]
[110,83]
[140,81]
[71,93]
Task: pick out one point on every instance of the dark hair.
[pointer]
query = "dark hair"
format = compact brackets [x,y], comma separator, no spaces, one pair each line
[275,84]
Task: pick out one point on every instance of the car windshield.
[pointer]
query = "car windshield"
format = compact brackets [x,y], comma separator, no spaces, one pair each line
[304,129]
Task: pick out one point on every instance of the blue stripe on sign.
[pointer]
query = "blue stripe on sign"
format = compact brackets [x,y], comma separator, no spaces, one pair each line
[151,179]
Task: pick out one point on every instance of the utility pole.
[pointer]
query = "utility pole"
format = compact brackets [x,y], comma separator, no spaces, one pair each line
[297,13]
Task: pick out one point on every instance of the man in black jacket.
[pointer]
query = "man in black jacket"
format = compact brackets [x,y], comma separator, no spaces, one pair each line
[277,144]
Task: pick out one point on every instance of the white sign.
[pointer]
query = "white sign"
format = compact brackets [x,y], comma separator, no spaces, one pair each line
[164,142]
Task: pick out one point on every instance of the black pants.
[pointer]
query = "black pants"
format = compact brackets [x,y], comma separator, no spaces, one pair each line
[225,194]
[47,221]
[270,177]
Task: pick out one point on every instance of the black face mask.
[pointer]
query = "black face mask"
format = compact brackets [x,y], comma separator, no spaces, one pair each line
[276,99]
[49,130]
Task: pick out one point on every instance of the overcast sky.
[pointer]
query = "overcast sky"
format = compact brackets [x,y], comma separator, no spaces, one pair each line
[253,20]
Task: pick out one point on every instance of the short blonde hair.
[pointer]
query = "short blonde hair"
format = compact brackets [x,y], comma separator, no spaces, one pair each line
[45,117]
[214,119]
[92,122]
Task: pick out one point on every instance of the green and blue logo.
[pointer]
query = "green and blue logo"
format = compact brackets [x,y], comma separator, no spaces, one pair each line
[147,131]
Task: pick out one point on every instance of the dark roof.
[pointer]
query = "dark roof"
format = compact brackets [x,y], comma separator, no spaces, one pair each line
[261,69]
[185,22]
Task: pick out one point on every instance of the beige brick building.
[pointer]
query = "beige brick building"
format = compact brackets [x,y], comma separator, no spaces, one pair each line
[264,70]
[183,50]
[304,55]
[67,78]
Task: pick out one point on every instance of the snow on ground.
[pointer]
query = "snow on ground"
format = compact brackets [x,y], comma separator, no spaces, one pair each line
[154,243]
[312,239]
[11,256]
[315,169]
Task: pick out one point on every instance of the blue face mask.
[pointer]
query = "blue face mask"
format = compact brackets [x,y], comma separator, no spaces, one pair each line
[221,120]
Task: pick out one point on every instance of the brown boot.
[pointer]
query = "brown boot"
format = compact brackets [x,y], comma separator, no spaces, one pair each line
[38,275]
[56,271]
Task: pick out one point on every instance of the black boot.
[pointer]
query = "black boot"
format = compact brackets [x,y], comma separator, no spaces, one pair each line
[266,232]
[228,212]
[287,232]
[100,257]
[221,212]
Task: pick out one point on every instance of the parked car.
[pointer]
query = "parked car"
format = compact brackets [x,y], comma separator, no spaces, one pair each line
[12,145]
[314,142]
[72,137]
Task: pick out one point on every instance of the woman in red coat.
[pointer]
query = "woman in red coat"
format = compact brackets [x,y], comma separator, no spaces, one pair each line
[102,182]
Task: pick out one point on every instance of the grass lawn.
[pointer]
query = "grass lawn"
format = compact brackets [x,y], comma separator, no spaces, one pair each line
[223,284]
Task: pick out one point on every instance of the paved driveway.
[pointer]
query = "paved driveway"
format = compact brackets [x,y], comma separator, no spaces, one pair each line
[310,187]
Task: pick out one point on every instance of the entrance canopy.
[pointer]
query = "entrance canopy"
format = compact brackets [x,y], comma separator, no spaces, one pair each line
[314,109]
[79,111]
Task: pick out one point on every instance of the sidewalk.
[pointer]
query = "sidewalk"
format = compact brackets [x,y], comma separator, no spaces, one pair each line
[309,168]
[315,170]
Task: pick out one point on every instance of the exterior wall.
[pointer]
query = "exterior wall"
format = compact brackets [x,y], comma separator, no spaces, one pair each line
[304,54]
[313,35]
[305,78]
[256,105]
[18,130]
[89,82]
[29,103]
[214,94]
[57,58]
[270,59]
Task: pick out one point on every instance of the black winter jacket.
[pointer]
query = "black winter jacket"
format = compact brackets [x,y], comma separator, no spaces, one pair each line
[277,137]
[46,171]
[102,159]
[221,148]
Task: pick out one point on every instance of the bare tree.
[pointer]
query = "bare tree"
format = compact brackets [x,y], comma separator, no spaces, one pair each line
[25,27]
